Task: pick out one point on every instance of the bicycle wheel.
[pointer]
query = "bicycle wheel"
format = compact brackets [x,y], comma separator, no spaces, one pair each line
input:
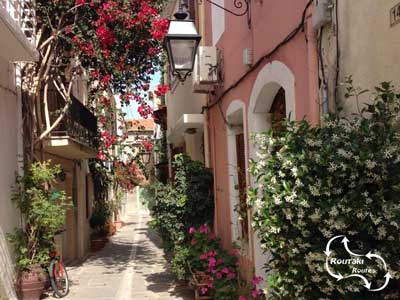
[59,278]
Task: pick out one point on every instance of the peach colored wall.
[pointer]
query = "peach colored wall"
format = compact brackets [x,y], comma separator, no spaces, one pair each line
[271,21]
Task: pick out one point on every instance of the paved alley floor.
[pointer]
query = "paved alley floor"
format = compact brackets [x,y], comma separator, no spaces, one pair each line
[131,266]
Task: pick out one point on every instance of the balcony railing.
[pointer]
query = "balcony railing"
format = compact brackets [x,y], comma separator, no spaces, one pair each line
[24,14]
[79,124]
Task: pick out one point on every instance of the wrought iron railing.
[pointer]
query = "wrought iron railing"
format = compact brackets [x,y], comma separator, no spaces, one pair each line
[24,14]
[79,123]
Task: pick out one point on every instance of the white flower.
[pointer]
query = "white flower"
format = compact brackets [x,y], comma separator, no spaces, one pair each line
[370,164]
[332,167]
[387,154]
[277,200]
[381,232]
[299,183]
[295,171]
[314,190]
[316,216]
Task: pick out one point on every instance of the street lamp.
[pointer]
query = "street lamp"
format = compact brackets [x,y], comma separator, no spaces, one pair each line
[145,157]
[181,43]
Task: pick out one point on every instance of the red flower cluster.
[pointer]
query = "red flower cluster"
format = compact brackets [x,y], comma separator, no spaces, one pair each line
[161,90]
[145,110]
[108,140]
[148,146]
[159,28]
[127,174]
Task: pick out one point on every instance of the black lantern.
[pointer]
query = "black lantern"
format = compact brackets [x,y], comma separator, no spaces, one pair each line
[181,43]
[145,157]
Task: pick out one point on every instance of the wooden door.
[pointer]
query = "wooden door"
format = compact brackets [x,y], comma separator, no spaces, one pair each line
[241,172]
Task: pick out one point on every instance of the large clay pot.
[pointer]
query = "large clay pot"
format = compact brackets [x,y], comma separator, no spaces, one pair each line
[30,284]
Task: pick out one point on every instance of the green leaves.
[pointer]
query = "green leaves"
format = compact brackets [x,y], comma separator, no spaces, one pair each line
[44,210]
[341,178]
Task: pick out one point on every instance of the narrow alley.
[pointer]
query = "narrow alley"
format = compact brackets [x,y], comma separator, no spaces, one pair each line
[131,266]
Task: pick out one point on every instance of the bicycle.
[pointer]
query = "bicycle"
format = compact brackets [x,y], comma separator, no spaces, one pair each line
[58,274]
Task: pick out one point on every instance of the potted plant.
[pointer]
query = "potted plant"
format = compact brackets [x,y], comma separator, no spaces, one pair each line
[99,223]
[43,210]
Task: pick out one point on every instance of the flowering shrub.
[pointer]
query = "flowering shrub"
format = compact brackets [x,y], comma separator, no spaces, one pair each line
[220,267]
[127,174]
[342,178]
[189,202]
[114,44]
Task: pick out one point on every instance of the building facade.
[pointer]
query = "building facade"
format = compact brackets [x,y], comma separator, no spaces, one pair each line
[269,71]
[19,34]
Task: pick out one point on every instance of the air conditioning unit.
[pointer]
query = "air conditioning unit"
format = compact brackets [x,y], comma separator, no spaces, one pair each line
[206,72]
[322,14]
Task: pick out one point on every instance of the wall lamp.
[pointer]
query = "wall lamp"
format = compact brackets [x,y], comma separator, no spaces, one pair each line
[182,40]
[181,43]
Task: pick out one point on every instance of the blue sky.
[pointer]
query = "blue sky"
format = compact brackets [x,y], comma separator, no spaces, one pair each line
[131,110]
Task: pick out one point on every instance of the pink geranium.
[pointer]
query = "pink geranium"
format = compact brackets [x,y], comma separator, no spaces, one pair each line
[257,281]
[203,256]
[242,297]
[192,230]
[255,293]
[204,228]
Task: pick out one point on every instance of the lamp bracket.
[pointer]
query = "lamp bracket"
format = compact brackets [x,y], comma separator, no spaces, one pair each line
[239,4]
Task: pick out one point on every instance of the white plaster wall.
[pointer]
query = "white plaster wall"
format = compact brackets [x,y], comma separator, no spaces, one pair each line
[369,46]
[218,21]
[194,145]
[9,217]
[182,100]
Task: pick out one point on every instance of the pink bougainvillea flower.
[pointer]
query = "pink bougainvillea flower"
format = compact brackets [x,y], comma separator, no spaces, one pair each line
[231,275]
[192,230]
[218,275]
[242,297]
[212,253]
[193,242]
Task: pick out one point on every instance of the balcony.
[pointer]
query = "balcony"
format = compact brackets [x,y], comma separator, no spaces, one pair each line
[17,27]
[76,137]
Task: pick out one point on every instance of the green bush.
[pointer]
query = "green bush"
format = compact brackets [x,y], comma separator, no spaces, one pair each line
[189,202]
[43,208]
[314,183]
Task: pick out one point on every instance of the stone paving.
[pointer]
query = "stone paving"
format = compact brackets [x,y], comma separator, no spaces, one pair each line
[131,266]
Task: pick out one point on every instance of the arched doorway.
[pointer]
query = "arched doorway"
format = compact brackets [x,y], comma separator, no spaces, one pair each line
[272,99]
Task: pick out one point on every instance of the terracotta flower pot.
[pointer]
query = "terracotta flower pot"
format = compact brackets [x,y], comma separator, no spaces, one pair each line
[30,284]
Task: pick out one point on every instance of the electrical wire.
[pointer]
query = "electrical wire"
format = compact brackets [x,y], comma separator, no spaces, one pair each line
[289,37]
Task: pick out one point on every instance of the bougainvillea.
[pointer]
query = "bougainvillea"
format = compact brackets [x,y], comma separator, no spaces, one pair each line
[116,43]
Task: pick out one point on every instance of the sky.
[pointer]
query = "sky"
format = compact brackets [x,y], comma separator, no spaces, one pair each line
[131,110]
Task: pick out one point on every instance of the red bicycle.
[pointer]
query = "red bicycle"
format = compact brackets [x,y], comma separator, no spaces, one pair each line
[58,275]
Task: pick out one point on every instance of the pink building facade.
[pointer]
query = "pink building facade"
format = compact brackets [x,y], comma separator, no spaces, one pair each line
[282,79]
